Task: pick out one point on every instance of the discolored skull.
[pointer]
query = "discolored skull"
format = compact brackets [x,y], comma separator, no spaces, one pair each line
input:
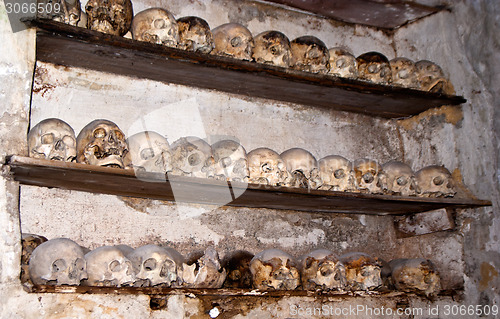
[362,271]
[369,176]
[266,167]
[59,261]
[52,139]
[155,25]
[155,265]
[195,35]
[109,16]
[237,265]
[274,269]
[107,266]
[303,168]
[430,77]
[374,67]
[435,181]
[204,270]
[342,63]
[28,242]
[230,161]
[415,275]
[192,156]
[310,54]
[272,47]
[102,143]
[336,173]
[322,270]
[400,179]
[149,151]
[404,73]
[65,11]
[233,40]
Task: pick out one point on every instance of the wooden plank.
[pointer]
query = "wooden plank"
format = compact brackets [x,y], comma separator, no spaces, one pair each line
[115,181]
[66,45]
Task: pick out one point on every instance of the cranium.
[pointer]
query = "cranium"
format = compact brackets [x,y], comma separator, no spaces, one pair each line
[109,16]
[342,63]
[155,25]
[195,35]
[310,54]
[415,275]
[230,161]
[233,40]
[431,78]
[65,11]
[303,168]
[435,181]
[336,173]
[149,151]
[404,72]
[102,143]
[204,270]
[155,265]
[28,242]
[266,167]
[369,176]
[400,178]
[52,139]
[107,266]
[374,67]
[59,261]
[273,269]
[272,47]
[237,265]
[192,156]
[362,271]
[321,269]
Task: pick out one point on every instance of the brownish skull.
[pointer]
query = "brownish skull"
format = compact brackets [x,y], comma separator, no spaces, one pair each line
[272,47]
[374,67]
[195,35]
[155,25]
[109,16]
[233,40]
[310,54]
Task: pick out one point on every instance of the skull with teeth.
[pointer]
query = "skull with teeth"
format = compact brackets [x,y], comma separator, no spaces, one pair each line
[400,178]
[415,275]
[230,161]
[336,172]
[69,11]
[107,266]
[430,77]
[303,168]
[192,156]
[274,269]
[203,270]
[149,151]
[237,265]
[155,25]
[59,261]
[435,181]
[404,72]
[102,143]
[52,139]
[272,47]
[195,35]
[343,63]
[266,167]
[369,176]
[362,271]
[321,269]
[109,16]
[374,67]
[233,40]
[310,54]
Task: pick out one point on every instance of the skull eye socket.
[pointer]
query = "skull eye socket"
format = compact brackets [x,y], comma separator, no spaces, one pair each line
[373,68]
[194,159]
[402,181]
[159,23]
[368,177]
[325,270]
[59,265]
[68,140]
[235,42]
[339,173]
[48,138]
[115,266]
[100,133]
[80,264]
[340,63]
[226,161]
[147,153]
[166,269]
[119,135]
[438,180]
[275,50]
[314,53]
[149,264]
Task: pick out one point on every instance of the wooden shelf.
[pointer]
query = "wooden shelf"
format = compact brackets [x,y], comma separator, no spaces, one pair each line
[66,45]
[126,182]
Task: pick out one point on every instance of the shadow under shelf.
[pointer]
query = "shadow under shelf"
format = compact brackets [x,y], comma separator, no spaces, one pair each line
[181,189]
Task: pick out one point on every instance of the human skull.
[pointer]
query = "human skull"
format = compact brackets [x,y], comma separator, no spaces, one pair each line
[336,173]
[435,181]
[195,35]
[28,242]
[192,156]
[342,63]
[233,40]
[149,151]
[431,78]
[303,168]
[155,25]
[52,139]
[109,16]
[266,167]
[404,72]
[237,265]
[362,271]
[58,261]
[416,276]
[369,176]
[272,47]
[400,178]
[102,143]
[65,11]
[155,265]
[204,270]
[274,269]
[107,266]
[230,161]
[310,54]
[374,67]
[321,269]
